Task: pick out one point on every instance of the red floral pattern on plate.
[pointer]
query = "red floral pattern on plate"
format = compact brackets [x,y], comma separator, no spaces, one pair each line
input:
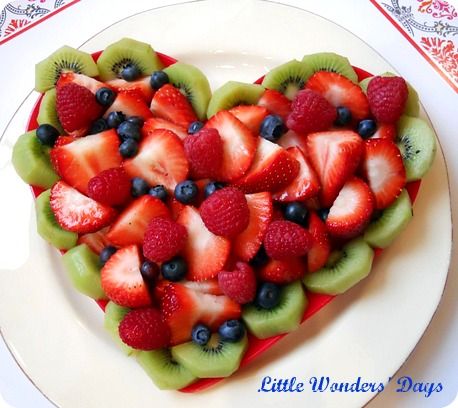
[444,52]
[437,8]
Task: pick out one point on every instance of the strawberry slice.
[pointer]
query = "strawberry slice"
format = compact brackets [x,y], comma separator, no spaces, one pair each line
[282,271]
[200,244]
[321,248]
[122,281]
[161,159]
[76,212]
[334,155]
[138,88]
[130,226]
[77,162]
[340,91]
[170,104]
[306,183]
[276,103]
[131,104]
[95,240]
[158,123]
[87,82]
[351,211]
[239,145]
[273,168]
[246,245]
[385,131]
[209,286]
[384,170]
[293,139]
[250,115]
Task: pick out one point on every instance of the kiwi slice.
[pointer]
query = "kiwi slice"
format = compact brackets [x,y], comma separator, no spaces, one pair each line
[31,161]
[288,78]
[331,62]
[417,144]
[127,52]
[83,269]
[232,94]
[113,317]
[193,84]
[165,372]
[354,265]
[392,221]
[47,113]
[66,58]
[48,227]
[283,318]
[216,359]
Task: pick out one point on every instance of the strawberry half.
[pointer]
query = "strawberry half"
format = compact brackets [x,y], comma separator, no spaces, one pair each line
[282,271]
[209,286]
[276,103]
[95,240]
[138,88]
[250,115]
[385,131]
[321,248]
[293,139]
[83,80]
[131,104]
[157,123]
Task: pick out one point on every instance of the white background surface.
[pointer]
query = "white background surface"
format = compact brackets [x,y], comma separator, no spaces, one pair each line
[436,356]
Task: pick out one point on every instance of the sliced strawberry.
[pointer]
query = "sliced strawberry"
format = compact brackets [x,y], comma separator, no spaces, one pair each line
[340,91]
[77,162]
[131,224]
[210,287]
[130,104]
[306,183]
[175,207]
[292,139]
[161,159]
[76,212]
[95,240]
[158,123]
[384,170]
[122,281]
[385,131]
[87,82]
[239,145]
[276,103]
[334,155]
[282,271]
[200,244]
[246,245]
[64,140]
[138,88]
[273,168]
[351,211]
[250,115]
[321,248]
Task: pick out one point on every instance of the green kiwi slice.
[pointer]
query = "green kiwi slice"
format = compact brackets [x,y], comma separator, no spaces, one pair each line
[113,317]
[331,62]
[127,52]
[283,318]
[66,58]
[193,84]
[354,265]
[47,113]
[216,359]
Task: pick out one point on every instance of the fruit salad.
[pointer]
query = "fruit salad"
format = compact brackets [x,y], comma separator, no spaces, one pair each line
[209,224]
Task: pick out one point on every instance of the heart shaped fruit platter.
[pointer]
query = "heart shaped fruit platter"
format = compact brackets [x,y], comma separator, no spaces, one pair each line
[209,225]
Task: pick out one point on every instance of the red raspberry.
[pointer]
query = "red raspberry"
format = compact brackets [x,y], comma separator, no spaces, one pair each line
[204,151]
[143,329]
[110,187]
[285,239]
[225,212]
[164,238]
[240,284]
[310,112]
[387,98]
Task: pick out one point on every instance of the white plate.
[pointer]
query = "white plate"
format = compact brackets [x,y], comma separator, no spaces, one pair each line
[56,335]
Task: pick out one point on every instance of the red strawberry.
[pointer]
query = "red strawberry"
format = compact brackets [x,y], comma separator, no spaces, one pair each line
[385,131]
[95,240]
[158,123]
[387,97]
[310,112]
[273,168]
[130,104]
[282,271]
[250,115]
[351,211]
[130,226]
[143,329]
[334,155]
[138,88]
[204,151]
[321,247]
[209,286]
[110,187]
[64,140]
[276,103]
[239,145]
[384,170]
[292,139]
[79,161]
[175,207]
[204,252]
[340,91]
[225,212]
[239,284]
[246,245]
[122,281]
[161,159]
[79,79]
[306,183]
[76,212]
[170,104]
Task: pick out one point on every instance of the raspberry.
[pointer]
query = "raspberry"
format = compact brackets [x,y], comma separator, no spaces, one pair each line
[204,151]
[225,212]
[310,112]
[387,98]
[143,329]
[285,239]
[240,284]
[164,238]
[110,187]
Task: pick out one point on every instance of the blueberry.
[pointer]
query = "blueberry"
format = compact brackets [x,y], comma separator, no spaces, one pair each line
[130,72]
[106,254]
[323,213]
[105,96]
[272,128]
[47,134]
[260,259]
[158,192]
[194,127]
[98,126]
[200,334]
[158,79]
[137,121]
[343,116]
[127,130]
[268,295]
[296,212]
[366,128]
[114,119]
[175,269]
[211,187]
[128,148]
[186,191]
[139,187]
[150,273]
[232,331]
